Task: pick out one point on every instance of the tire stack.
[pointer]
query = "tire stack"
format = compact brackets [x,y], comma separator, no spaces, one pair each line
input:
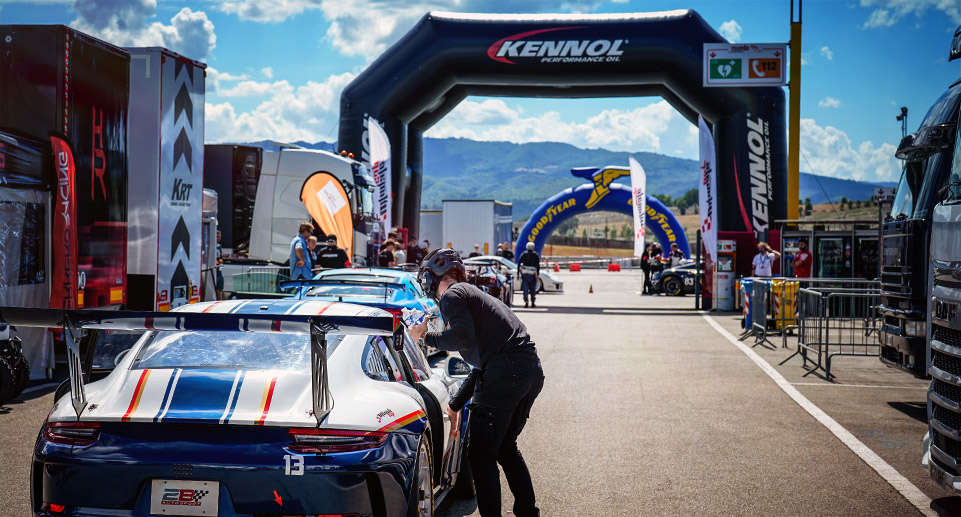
[14,370]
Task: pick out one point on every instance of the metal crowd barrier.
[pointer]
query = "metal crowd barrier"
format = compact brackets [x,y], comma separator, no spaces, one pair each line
[840,321]
[770,308]
[260,280]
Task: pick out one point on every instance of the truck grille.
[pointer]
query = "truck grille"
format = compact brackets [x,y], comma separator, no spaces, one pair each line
[948,418]
[947,336]
[947,390]
[947,445]
[946,363]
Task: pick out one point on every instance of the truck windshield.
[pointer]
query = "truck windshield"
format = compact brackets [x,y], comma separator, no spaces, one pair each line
[955,179]
[365,200]
[919,184]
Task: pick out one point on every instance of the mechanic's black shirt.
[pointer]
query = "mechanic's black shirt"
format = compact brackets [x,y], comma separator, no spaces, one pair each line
[385,257]
[479,325]
[530,258]
[332,257]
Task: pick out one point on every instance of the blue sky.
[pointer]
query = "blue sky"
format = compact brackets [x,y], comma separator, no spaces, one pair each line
[276,68]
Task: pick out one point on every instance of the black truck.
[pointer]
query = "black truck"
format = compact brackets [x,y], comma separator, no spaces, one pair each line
[906,234]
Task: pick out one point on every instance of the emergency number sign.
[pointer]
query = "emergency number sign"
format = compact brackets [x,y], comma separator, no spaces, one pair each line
[745,64]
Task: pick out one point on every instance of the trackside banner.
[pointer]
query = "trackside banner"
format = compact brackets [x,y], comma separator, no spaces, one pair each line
[707,189]
[639,193]
[63,284]
[380,169]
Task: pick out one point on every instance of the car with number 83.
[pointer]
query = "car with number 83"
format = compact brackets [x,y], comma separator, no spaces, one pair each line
[246,407]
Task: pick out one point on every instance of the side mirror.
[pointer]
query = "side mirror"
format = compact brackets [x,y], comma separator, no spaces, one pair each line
[457,368]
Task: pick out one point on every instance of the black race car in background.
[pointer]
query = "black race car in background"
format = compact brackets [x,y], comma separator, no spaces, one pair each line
[678,280]
[490,280]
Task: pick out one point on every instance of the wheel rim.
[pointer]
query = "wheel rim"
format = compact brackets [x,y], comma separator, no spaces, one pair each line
[424,499]
[673,287]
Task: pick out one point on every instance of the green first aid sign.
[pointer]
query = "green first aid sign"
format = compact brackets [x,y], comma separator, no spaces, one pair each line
[725,69]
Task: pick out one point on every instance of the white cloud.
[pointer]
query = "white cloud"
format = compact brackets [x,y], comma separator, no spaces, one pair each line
[886,13]
[128,24]
[826,52]
[804,59]
[307,112]
[829,152]
[731,30]
[267,72]
[657,128]
[267,10]
[829,102]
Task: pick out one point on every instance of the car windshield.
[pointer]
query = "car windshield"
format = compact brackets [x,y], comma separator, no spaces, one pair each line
[229,350]
[351,290]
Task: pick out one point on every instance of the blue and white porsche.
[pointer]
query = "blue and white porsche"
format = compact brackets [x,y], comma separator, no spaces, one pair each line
[246,407]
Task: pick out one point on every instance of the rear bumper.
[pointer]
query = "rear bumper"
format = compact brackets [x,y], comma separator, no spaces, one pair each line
[108,478]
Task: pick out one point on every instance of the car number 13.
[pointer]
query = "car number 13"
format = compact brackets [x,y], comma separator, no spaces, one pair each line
[293,465]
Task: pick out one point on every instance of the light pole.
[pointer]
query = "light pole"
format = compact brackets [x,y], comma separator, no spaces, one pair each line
[903,119]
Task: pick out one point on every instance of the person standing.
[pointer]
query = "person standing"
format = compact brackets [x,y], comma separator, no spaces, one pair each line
[476,252]
[415,253]
[646,268]
[508,252]
[312,247]
[529,267]
[506,379]
[219,280]
[803,260]
[386,256]
[332,257]
[763,262]
[676,255]
[500,250]
[657,264]
[400,256]
[300,260]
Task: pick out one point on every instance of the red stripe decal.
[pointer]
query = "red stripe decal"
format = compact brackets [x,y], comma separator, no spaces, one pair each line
[148,323]
[268,396]
[402,421]
[324,308]
[135,400]
[275,326]
[737,184]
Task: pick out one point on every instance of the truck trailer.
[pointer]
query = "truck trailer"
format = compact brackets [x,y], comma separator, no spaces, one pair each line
[484,222]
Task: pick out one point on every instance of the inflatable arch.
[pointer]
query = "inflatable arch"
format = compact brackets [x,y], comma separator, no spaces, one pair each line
[447,57]
[600,196]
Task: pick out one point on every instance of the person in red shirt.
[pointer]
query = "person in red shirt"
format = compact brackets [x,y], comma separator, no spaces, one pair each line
[802,260]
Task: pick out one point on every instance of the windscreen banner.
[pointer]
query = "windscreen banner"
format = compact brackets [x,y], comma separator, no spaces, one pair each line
[63,284]
[639,195]
[327,202]
[380,168]
[707,189]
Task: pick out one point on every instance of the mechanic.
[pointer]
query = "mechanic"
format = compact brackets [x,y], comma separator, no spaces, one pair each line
[506,379]
[802,260]
[300,262]
[676,255]
[529,265]
[476,252]
[330,256]
[646,268]
[508,254]
[386,256]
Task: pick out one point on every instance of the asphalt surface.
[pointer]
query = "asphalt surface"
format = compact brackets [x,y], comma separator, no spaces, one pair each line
[648,410]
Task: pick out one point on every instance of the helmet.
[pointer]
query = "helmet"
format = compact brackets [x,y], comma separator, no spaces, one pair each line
[437,264]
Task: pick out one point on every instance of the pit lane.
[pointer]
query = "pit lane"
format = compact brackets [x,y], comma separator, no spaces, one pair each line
[648,410]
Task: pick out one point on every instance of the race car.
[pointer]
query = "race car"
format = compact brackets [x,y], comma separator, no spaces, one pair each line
[252,407]
[678,280]
[547,281]
[390,289]
[491,280]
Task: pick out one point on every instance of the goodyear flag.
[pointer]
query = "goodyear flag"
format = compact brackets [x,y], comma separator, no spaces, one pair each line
[707,189]
[639,190]
[380,168]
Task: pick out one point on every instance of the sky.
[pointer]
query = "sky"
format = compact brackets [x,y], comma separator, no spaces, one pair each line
[276,69]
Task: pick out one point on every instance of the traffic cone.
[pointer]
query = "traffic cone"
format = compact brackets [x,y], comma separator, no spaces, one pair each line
[557,268]
[591,289]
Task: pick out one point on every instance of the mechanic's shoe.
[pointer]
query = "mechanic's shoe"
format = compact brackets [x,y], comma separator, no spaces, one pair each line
[533,304]
[525,305]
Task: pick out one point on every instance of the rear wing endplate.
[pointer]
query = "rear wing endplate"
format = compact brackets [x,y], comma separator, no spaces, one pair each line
[318,326]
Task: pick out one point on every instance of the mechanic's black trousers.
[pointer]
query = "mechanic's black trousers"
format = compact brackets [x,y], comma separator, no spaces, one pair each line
[502,403]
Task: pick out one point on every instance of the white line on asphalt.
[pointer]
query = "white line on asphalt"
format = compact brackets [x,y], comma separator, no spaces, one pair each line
[859,386]
[37,387]
[894,478]
[533,309]
[625,311]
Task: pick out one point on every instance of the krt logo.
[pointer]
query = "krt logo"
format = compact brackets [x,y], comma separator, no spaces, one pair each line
[181,190]
[602,183]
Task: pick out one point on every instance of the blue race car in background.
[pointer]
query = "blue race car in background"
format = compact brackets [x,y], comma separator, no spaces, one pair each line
[390,289]
[253,408]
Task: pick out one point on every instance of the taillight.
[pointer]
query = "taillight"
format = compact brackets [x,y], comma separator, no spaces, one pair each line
[71,433]
[312,441]
[399,313]
[54,508]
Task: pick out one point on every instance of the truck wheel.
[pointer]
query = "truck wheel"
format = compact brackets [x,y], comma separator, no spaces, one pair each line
[8,381]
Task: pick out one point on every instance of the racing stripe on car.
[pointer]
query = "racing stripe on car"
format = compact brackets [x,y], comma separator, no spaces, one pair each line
[265,402]
[200,396]
[295,306]
[165,403]
[237,307]
[137,393]
[402,421]
[235,395]
[211,306]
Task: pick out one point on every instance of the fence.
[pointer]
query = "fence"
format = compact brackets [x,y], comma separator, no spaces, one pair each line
[837,322]
[260,281]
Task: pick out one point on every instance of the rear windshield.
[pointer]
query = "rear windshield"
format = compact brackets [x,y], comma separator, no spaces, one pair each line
[229,350]
[354,291]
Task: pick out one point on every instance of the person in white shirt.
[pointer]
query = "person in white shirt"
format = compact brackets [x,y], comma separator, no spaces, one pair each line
[764,260]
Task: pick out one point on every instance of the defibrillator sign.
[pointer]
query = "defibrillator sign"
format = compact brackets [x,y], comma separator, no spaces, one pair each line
[748,64]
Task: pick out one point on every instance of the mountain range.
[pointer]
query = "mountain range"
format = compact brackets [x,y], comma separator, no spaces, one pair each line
[527,174]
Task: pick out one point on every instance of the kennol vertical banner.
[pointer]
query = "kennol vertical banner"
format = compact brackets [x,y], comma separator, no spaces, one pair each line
[380,169]
[639,192]
[707,189]
[63,284]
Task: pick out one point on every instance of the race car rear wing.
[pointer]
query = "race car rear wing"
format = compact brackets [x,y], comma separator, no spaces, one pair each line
[318,326]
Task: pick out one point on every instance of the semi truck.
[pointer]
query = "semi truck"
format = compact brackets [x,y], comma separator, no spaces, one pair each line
[943,445]
[260,203]
[484,222]
[906,234]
